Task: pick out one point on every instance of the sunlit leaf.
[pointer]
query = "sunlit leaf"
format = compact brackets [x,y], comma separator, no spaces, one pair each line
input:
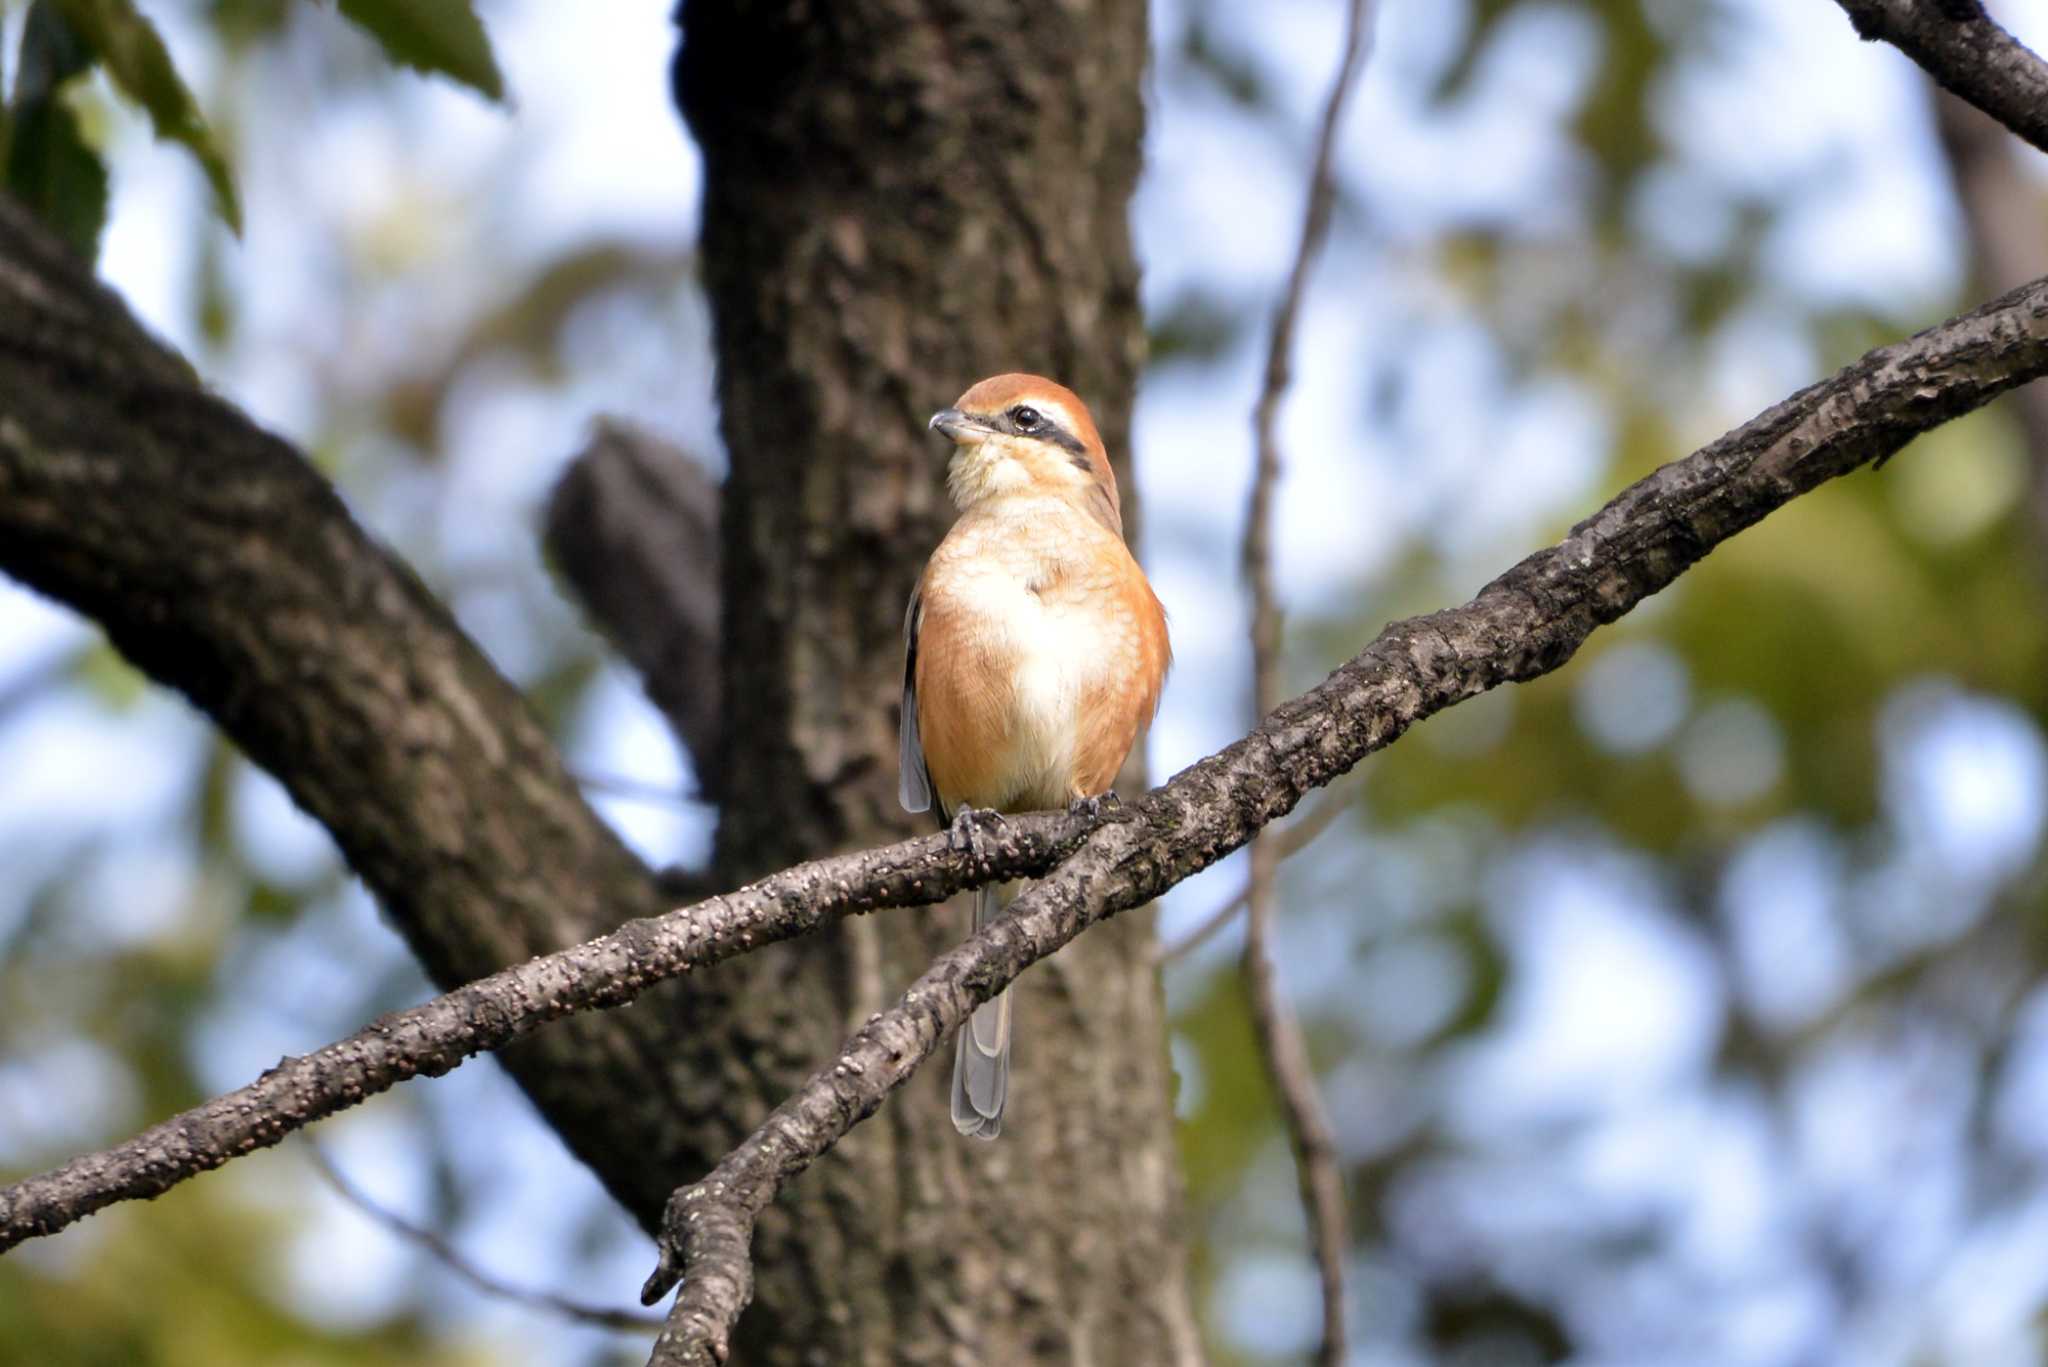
[441,36]
[128,45]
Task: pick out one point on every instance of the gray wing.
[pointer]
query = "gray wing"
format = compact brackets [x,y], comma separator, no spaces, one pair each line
[914,781]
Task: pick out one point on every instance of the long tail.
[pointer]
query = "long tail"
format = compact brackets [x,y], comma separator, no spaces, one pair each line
[981,1058]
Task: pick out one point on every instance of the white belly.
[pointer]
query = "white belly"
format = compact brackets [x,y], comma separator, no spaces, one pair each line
[1056,656]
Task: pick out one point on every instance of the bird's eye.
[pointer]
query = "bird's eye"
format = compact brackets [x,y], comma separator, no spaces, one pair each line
[1025,417]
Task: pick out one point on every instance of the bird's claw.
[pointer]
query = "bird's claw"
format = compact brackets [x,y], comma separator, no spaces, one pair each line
[964,833]
[1094,807]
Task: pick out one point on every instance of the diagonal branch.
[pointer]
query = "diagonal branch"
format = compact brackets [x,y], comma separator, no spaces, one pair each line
[222,564]
[1524,624]
[1966,50]
[437,1035]
[1281,1043]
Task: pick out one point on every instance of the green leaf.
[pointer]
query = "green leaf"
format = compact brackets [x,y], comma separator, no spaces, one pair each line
[52,171]
[45,161]
[128,46]
[432,35]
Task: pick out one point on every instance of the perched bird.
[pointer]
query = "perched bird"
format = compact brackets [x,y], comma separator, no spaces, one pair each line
[1034,651]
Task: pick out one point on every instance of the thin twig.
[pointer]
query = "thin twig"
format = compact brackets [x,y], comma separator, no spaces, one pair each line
[1287,840]
[1281,1044]
[451,1257]
[1524,624]
[635,790]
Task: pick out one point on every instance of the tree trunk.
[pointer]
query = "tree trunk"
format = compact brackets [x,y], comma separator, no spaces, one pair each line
[898,202]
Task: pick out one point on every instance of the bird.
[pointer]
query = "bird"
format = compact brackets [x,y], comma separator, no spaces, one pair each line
[1034,652]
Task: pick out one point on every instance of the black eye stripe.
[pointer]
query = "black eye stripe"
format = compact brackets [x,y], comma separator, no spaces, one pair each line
[1045,430]
[1063,439]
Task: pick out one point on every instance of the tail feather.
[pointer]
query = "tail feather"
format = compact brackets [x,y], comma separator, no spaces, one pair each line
[981,1055]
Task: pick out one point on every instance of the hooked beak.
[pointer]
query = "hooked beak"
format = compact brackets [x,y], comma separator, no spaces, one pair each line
[964,431]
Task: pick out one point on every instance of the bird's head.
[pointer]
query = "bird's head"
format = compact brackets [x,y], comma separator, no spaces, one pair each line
[1024,434]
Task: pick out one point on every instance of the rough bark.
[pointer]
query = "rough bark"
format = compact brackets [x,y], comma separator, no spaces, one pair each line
[901,198]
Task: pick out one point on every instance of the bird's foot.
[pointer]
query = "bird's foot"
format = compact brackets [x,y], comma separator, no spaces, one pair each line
[964,833]
[1094,807]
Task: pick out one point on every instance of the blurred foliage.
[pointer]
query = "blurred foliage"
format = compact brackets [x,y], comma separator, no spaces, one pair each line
[434,36]
[191,1280]
[1773,691]
[117,35]
[51,166]
[48,164]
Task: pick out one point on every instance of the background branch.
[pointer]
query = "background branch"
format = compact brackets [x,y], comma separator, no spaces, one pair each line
[1967,51]
[633,525]
[2007,220]
[1281,1046]
[1524,624]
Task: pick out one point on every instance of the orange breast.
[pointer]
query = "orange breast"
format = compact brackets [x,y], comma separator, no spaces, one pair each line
[1040,658]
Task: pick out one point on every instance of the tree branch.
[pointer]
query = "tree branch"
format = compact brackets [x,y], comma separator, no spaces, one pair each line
[1281,1045]
[220,562]
[1524,624]
[437,1035]
[1966,50]
[633,524]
